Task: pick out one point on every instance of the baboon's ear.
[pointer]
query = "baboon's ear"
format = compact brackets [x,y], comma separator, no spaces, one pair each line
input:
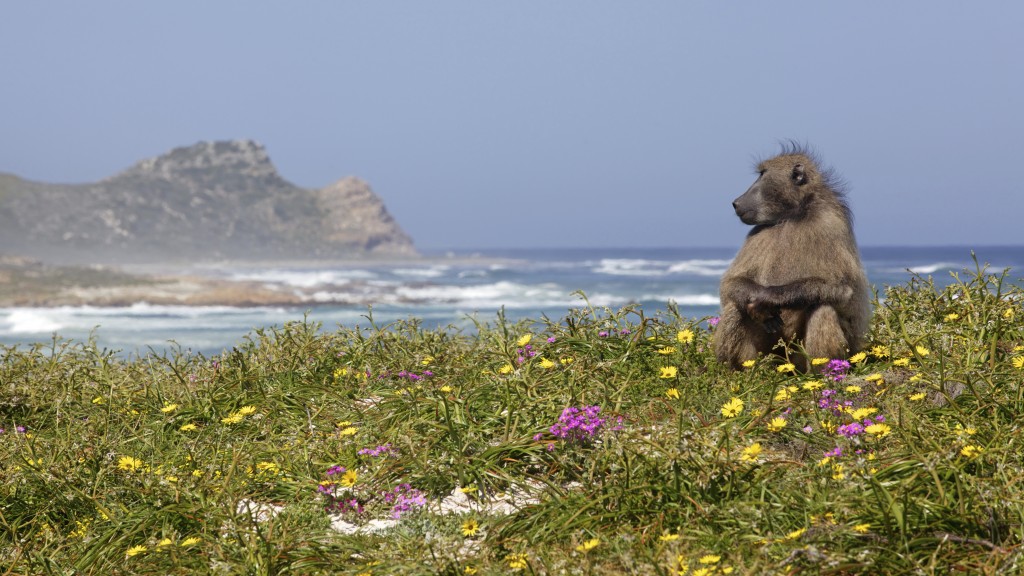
[799,176]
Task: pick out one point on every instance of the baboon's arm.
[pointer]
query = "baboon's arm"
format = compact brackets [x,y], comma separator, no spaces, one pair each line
[804,293]
[799,294]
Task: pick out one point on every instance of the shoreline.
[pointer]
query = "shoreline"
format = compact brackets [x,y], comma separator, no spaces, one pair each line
[26,283]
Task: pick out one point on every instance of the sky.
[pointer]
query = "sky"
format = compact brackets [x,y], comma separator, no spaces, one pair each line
[577,123]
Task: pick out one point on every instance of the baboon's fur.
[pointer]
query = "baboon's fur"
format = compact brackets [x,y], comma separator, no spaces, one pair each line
[798,277]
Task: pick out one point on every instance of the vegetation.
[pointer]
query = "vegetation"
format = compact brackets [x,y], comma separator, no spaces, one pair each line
[605,442]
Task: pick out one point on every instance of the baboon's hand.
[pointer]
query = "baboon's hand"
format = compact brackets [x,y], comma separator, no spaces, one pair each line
[767,315]
[773,324]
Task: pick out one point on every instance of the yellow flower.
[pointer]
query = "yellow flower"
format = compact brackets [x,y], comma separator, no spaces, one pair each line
[164,542]
[879,430]
[349,431]
[470,527]
[917,397]
[446,388]
[189,541]
[858,357]
[349,478]
[709,559]
[128,463]
[795,534]
[862,528]
[668,372]
[705,571]
[971,451]
[672,393]
[98,400]
[876,377]
[837,472]
[1018,362]
[233,418]
[921,350]
[667,537]
[588,545]
[901,362]
[339,372]
[546,364]
[469,570]
[952,316]
[862,413]
[880,352]
[468,489]
[268,467]
[506,369]
[813,385]
[188,427]
[135,550]
[750,453]
[427,360]
[246,410]
[524,340]
[684,336]
[786,368]
[666,350]
[169,408]
[732,408]
[777,423]
[819,361]
[1008,314]
[516,561]
[970,430]
[852,389]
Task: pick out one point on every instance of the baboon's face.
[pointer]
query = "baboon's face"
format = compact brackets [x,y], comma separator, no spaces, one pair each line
[778,191]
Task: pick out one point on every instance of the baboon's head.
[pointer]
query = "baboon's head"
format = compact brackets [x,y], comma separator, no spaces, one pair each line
[782,190]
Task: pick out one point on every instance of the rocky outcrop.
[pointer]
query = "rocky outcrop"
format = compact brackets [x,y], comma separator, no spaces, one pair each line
[210,201]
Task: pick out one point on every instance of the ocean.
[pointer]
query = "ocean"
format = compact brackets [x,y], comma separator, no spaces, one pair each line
[449,289]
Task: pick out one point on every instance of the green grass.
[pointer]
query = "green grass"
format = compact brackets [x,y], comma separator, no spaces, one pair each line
[104,466]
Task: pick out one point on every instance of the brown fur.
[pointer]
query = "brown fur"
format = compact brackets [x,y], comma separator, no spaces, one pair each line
[798,277]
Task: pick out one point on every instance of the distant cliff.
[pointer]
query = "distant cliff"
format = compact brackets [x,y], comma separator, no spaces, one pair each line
[210,201]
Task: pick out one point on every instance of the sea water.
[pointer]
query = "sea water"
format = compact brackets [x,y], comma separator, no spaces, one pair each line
[455,290]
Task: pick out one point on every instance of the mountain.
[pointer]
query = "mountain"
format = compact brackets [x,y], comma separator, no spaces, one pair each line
[210,201]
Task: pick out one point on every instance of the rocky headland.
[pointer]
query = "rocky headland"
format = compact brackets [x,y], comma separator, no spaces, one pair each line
[142,234]
[207,202]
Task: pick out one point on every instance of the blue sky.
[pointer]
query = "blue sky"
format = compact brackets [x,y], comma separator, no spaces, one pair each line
[528,124]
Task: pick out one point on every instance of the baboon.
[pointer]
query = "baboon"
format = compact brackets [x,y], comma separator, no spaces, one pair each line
[798,277]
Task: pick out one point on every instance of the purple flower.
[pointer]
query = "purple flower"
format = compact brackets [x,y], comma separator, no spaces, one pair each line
[403,499]
[712,322]
[603,333]
[580,424]
[19,429]
[551,340]
[834,453]
[836,370]
[335,470]
[376,451]
[850,430]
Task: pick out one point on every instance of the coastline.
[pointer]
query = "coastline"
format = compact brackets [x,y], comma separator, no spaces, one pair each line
[26,283]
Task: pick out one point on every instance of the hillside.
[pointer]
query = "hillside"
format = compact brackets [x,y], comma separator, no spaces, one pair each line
[209,201]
